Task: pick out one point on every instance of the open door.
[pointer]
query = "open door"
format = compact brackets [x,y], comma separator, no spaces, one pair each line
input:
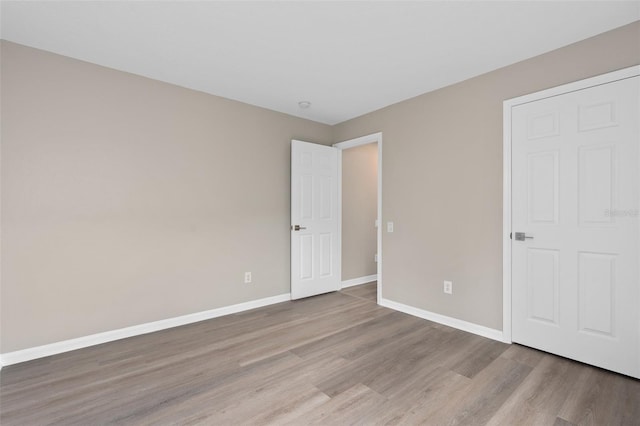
[315,255]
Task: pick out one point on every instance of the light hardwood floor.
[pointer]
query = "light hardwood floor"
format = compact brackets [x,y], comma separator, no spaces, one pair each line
[333,359]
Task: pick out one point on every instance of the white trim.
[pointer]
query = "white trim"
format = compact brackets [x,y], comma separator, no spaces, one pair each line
[469,327]
[576,85]
[340,214]
[351,143]
[506,223]
[506,187]
[136,330]
[362,140]
[379,229]
[359,280]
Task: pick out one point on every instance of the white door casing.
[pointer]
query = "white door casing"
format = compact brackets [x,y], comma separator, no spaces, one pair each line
[575,189]
[352,143]
[315,256]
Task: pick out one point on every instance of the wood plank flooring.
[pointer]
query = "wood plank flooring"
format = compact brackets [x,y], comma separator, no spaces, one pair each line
[334,359]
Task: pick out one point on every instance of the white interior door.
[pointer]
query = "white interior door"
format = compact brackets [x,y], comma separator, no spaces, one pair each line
[575,195]
[315,256]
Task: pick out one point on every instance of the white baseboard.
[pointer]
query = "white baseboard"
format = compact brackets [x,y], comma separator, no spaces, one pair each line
[122,333]
[360,280]
[469,327]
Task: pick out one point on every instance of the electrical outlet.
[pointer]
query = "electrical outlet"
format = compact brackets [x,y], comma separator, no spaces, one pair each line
[247,277]
[389,226]
[448,287]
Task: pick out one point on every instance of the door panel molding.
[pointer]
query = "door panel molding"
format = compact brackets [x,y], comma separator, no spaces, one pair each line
[315,256]
[594,117]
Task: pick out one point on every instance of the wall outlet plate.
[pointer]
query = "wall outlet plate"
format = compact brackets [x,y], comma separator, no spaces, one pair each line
[448,287]
[247,277]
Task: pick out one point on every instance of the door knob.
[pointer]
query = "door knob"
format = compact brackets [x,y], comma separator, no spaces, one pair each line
[297,227]
[521,236]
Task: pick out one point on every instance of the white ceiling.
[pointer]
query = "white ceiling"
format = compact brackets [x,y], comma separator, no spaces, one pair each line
[346,58]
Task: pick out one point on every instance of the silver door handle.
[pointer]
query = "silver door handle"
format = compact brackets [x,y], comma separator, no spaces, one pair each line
[297,227]
[521,236]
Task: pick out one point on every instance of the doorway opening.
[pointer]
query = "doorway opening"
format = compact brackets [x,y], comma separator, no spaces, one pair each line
[360,198]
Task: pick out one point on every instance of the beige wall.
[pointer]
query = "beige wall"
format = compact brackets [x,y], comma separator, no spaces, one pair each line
[359,210]
[442,177]
[126,200]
